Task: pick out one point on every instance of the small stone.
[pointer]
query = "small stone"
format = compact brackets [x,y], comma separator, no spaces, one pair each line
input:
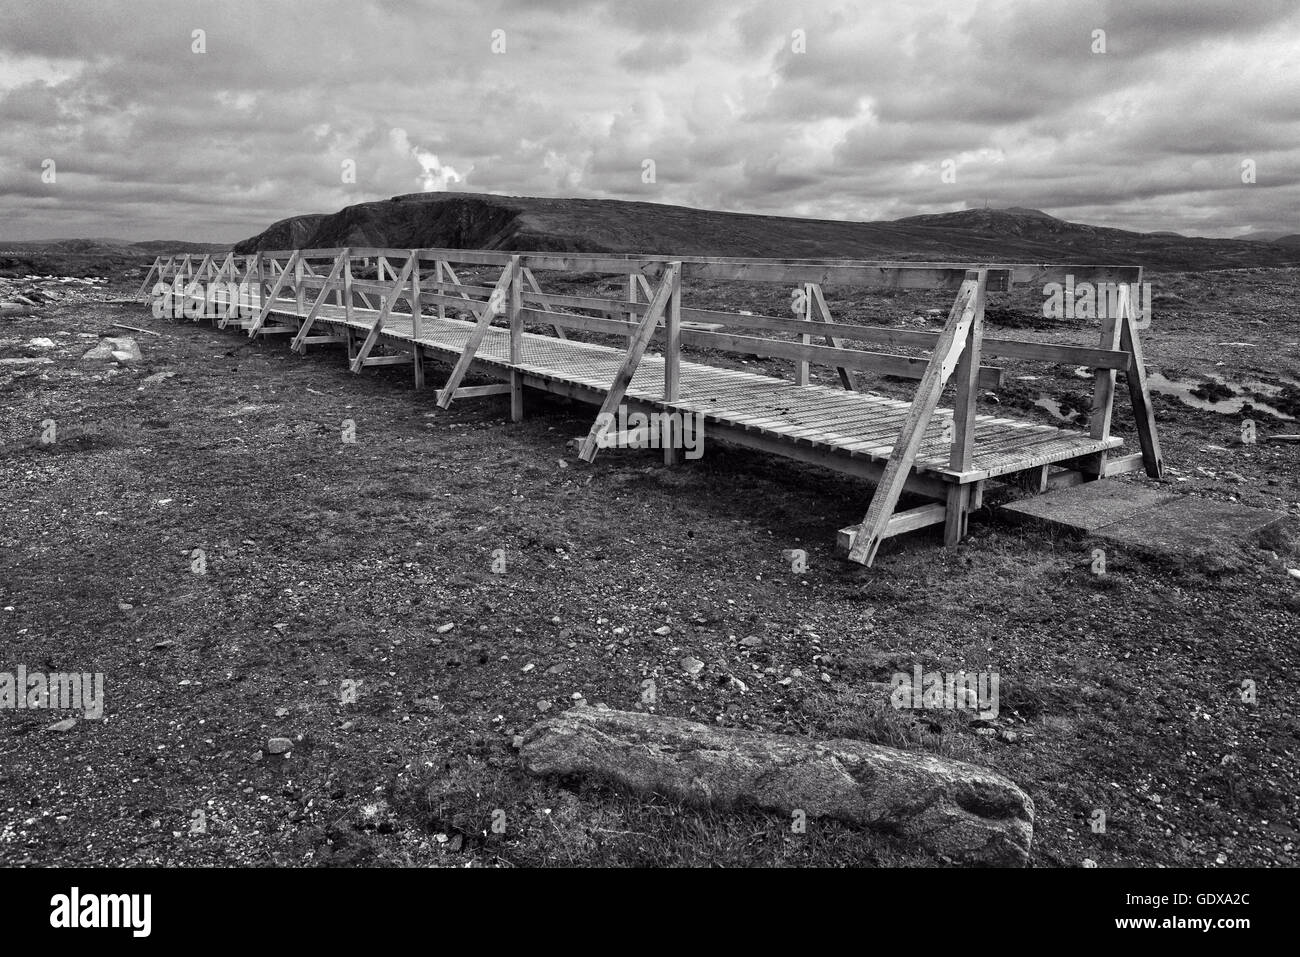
[517,742]
[543,705]
[555,620]
[124,606]
[752,641]
[278,745]
[692,666]
[1089,862]
[1293,572]
[282,712]
[528,667]
[165,643]
[663,630]
[42,343]
[67,724]
[281,626]
[443,629]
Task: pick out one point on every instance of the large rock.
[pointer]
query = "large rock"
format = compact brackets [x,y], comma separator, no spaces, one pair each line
[121,348]
[953,809]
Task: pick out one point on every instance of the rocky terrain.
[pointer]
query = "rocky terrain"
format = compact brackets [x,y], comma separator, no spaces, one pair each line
[311,659]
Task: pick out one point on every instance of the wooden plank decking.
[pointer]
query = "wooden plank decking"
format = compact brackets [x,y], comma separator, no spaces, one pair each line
[938,453]
[859,423]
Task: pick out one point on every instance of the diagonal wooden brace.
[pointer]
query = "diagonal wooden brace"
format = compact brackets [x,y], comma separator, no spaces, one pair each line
[493,307]
[153,270]
[645,330]
[1139,396]
[372,336]
[822,313]
[943,361]
[299,343]
[271,297]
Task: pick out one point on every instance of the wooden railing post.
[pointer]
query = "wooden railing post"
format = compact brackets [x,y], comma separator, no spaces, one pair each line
[1139,396]
[672,367]
[347,293]
[631,297]
[1103,383]
[801,368]
[515,294]
[966,380]
[943,361]
[417,325]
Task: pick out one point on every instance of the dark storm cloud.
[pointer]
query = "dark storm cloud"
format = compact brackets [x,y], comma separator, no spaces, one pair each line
[828,109]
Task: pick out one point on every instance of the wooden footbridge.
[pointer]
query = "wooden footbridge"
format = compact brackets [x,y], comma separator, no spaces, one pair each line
[404,306]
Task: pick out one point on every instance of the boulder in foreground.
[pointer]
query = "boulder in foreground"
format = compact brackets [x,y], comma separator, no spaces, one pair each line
[951,808]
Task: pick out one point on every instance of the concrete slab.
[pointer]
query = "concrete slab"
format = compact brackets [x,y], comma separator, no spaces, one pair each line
[1090,506]
[1190,527]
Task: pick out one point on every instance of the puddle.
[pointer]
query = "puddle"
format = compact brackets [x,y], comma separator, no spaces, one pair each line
[1053,407]
[1232,404]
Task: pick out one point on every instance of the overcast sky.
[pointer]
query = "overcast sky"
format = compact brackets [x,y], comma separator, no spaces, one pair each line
[152,140]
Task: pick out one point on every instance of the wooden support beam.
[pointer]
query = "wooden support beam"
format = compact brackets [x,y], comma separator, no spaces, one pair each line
[545,300]
[942,362]
[270,300]
[514,303]
[474,392]
[485,317]
[822,313]
[141,293]
[347,293]
[300,341]
[968,387]
[417,360]
[1103,388]
[1123,463]
[1140,397]
[399,359]
[298,273]
[671,442]
[899,523]
[417,319]
[516,396]
[373,335]
[801,366]
[627,369]
[955,514]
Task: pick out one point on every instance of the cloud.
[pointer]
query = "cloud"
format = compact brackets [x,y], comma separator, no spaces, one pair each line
[153,139]
[434,177]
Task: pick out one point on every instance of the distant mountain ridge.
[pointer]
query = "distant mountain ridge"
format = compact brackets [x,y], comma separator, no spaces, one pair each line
[520,223]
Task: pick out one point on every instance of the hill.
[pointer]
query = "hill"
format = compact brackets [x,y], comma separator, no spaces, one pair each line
[89,256]
[481,221]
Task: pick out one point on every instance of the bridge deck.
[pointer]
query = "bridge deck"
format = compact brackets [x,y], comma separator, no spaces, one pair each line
[857,424]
